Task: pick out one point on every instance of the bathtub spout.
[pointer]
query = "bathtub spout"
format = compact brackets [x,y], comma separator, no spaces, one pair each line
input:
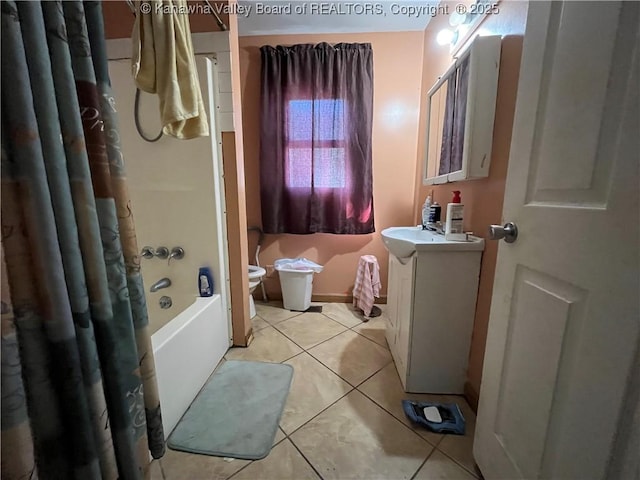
[162,283]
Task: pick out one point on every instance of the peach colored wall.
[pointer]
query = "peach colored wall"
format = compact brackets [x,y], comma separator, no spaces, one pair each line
[397,63]
[482,198]
[118,19]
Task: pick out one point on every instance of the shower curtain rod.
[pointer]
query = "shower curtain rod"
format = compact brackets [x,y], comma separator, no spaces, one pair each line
[221,25]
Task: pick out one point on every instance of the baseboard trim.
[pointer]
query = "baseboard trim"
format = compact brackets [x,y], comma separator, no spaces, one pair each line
[332,298]
[336,298]
[248,338]
[472,396]
[328,298]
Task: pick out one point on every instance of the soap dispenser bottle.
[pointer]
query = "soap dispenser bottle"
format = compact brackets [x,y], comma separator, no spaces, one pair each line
[454,229]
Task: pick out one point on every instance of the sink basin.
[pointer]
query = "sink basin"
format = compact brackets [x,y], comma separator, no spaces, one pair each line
[405,241]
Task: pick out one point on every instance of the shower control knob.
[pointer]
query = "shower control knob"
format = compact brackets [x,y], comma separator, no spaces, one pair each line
[162,252]
[177,253]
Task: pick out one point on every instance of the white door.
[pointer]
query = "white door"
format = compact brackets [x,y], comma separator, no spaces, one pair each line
[564,323]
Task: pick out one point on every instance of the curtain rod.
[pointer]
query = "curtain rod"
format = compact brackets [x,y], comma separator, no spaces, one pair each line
[221,25]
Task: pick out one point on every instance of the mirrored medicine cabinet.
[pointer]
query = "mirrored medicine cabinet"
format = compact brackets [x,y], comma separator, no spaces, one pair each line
[461,110]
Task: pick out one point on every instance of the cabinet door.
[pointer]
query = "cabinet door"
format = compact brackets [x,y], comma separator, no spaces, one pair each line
[392,302]
[404,313]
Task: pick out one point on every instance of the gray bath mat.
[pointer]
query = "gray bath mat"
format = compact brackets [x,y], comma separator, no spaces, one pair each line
[237,412]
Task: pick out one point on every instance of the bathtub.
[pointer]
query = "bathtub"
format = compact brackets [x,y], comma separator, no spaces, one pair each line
[187,350]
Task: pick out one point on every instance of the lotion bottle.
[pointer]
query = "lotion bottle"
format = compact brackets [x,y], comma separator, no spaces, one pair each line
[454,229]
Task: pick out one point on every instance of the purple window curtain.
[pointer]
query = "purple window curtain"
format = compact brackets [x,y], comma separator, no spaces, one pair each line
[315,139]
[460,115]
[454,120]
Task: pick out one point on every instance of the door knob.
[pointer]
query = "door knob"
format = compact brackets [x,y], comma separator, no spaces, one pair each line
[509,232]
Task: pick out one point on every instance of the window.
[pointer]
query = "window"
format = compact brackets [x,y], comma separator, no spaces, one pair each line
[316,118]
[321,123]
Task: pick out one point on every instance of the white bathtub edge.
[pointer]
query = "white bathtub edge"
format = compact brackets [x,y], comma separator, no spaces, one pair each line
[186,352]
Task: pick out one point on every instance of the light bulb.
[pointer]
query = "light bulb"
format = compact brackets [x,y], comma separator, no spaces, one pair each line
[457,19]
[445,37]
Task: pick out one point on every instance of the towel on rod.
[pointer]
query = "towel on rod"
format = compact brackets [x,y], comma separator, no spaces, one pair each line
[163,62]
[367,285]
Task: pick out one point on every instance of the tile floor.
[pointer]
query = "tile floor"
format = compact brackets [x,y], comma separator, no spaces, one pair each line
[343,418]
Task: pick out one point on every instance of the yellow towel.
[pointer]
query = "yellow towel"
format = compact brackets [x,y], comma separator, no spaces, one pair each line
[163,63]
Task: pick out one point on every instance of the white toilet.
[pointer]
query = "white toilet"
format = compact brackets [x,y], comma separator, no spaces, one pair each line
[255,277]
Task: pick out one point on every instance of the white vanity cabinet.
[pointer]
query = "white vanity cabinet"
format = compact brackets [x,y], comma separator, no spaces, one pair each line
[431,304]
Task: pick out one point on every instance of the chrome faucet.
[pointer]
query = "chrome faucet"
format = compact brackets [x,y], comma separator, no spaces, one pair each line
[162,283]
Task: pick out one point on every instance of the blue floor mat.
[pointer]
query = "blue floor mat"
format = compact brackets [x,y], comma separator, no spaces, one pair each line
[237,412]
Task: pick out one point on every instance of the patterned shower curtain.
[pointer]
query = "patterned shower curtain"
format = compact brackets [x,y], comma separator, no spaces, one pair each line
[79,395]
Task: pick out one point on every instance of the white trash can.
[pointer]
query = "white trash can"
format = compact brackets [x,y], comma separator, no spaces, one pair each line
[296,281]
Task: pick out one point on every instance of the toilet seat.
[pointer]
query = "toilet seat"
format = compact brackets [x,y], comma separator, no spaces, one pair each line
[256,273]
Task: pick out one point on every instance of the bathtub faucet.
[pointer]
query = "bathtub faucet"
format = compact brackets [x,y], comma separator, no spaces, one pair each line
[162,283]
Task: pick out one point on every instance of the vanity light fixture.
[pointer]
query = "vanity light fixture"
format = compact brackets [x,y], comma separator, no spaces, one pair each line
[457,19]
[460,24]
[463,21]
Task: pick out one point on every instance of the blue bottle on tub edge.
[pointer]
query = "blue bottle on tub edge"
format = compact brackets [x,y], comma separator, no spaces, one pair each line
[205,282]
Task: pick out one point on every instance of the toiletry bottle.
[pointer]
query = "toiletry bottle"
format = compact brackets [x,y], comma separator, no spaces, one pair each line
[435,213]
[455,214]
[205,282]
[425,212]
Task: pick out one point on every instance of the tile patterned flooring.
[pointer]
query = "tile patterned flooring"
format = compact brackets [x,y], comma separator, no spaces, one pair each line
[343,418]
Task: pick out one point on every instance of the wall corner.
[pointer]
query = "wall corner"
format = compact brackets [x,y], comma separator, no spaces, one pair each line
[237,202]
